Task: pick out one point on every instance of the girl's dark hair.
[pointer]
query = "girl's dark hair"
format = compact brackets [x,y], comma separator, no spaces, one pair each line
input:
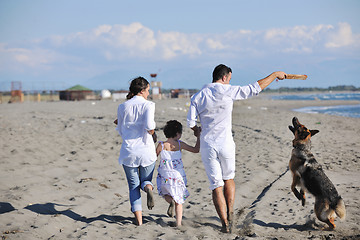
[220,71]
[172,128]
[137,85]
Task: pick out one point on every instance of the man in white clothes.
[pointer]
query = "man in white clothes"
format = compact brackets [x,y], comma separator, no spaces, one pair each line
[213,106]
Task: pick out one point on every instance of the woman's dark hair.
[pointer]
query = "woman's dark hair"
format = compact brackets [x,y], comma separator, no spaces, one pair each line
[220,71]
[137,85]
[172,128]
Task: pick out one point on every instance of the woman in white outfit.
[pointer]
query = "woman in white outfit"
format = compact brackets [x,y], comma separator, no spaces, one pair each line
[136,124]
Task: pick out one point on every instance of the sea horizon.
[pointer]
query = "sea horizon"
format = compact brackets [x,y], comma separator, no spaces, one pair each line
[338,110]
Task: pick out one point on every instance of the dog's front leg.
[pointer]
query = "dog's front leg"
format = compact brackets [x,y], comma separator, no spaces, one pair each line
[302,196]
[295,182]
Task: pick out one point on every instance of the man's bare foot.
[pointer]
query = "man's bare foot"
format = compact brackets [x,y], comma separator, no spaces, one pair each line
[171,209]
[230,217]
[225,228]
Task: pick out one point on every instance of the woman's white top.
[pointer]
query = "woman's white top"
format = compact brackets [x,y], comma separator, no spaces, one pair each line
[135,117]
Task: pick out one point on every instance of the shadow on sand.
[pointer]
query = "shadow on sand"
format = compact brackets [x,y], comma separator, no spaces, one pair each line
[49,209]
[6,207]
[298,227]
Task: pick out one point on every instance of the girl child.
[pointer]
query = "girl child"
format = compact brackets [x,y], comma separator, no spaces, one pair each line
[171,179]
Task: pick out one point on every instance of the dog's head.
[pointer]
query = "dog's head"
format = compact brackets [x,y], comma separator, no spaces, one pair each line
[300,131]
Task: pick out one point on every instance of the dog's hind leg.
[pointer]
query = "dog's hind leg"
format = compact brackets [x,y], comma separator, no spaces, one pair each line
[331,223]
[340,209]
[324,213]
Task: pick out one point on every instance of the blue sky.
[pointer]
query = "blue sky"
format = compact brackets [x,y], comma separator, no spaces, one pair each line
[104,44]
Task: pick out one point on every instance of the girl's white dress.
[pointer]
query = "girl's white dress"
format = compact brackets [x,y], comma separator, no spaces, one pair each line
[171,179]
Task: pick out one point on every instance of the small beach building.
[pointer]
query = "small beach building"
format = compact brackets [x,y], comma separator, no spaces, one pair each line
[77,93]
[119,95]
[156,88]
[182,93]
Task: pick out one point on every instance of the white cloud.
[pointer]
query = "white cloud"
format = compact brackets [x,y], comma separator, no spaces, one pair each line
[21,59]
[342,36]
[102,30]
[298,39]
[118,42]
[297,33]
[214,44]
[114,43]
[135,36]
[134,40]
[173,44]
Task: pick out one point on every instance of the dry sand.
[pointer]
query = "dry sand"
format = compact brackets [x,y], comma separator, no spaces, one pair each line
[60,179]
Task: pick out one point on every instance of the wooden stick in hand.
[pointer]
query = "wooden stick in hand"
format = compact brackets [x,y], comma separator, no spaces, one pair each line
[296,76]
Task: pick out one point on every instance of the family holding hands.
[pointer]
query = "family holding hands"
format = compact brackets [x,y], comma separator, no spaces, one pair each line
[213,106]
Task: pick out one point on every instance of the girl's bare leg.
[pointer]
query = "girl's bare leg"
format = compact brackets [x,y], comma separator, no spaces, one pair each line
[179,213]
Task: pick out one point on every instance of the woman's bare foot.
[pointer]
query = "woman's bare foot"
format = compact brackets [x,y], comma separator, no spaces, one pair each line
[138,218]
[150,198]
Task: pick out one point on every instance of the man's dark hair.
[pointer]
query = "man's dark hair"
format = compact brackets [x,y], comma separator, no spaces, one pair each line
[220,71]
[172,128]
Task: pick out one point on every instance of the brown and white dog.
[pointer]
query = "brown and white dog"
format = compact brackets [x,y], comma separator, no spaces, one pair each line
[309,175]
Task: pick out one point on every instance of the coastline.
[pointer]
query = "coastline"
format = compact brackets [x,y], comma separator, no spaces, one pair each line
[322,103]
[60,178]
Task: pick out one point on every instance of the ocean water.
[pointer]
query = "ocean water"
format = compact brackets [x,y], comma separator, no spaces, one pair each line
[339,110]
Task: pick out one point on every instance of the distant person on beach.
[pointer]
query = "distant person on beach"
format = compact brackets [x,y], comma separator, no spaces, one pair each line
[213,105]
[171,179]
[136,125]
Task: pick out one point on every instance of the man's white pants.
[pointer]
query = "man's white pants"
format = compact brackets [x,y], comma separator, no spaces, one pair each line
[219,162]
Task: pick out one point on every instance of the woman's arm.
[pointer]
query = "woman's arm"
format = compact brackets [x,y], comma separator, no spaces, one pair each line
[150,120]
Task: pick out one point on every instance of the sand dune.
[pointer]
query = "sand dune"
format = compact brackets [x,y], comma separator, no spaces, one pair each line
[60,179]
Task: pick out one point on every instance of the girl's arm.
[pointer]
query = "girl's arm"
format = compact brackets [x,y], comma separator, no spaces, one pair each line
[158,149]
[194,149]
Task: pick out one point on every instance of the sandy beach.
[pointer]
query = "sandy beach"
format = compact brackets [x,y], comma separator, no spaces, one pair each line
[60,178]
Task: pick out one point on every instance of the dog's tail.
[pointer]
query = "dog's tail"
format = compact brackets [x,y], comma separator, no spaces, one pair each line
[340,209]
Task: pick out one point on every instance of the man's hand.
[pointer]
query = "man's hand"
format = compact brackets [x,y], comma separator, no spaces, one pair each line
[154,136]
[197,131]
[280,75]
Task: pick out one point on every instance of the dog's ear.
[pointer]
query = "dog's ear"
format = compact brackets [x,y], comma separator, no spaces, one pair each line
[313,132]
[292,129]
[295,122]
